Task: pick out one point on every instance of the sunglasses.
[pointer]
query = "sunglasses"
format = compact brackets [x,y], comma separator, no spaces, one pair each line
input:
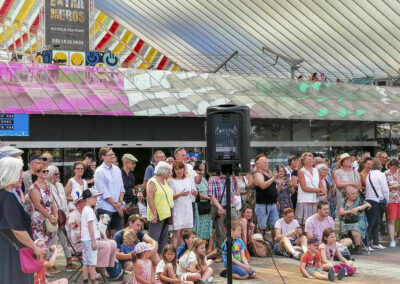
[57,174]
[45,171]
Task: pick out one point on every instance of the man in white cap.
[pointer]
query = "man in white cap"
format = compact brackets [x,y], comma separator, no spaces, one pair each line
[129,163]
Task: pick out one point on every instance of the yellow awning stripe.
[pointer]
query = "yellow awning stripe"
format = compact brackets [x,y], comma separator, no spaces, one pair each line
[149,58]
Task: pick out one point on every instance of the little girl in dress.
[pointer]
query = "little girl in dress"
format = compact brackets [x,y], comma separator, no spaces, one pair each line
[144,271]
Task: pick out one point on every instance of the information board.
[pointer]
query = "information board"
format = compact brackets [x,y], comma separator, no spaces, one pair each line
[67,24]
[14,124]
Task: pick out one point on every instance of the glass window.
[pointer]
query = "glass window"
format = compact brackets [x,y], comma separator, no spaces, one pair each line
[301,130]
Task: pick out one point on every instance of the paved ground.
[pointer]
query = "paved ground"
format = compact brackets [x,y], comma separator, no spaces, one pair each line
[379,267]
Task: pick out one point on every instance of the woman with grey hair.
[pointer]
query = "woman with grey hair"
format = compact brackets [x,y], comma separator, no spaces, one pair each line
[57,190]
[160,201]
[15,224]
[323,172]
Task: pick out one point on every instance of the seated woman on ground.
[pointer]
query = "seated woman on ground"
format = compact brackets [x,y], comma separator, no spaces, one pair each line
[328,249]
[288,233]
[167,270]
[195,263]
[352,216]
[247,225]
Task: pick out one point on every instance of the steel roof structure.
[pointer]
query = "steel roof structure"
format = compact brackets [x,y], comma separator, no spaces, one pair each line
[53,89]
[341,38]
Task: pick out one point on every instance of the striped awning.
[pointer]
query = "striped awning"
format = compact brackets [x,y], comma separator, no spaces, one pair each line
[339,38]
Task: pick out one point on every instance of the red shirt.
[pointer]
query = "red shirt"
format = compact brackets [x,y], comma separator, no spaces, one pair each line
[40,277]
[310,260]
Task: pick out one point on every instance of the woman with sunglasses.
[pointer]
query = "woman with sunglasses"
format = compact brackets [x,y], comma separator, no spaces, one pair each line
[75,185]
[43,206]
[58,193]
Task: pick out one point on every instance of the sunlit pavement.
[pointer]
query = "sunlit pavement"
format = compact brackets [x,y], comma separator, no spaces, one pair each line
[381,266]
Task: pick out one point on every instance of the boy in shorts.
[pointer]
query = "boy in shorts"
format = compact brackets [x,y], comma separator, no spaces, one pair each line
[89,235]
[311,267]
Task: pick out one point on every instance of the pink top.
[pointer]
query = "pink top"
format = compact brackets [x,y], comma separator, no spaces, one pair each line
[146,271]
[317,227]
[330,251]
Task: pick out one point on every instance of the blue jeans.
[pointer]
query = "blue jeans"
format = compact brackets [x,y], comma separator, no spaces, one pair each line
[236,269]
[266,214]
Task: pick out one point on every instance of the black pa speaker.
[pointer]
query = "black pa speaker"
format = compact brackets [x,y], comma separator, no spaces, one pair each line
[228,139]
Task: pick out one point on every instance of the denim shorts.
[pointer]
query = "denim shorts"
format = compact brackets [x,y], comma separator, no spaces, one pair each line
[89,255]
[277,250]
[116,223]
[266,214]
[236,269]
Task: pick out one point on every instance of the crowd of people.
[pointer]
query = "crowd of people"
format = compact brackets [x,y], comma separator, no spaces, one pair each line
[173,226]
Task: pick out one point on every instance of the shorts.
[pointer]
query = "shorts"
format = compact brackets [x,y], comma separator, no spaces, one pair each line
[116,223]
[266,214]
[392,211]
[312,270]
[89,255]
[236,269]
[278,251]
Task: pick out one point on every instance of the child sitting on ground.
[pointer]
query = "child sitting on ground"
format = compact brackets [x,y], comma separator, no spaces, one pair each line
[311,267]
[144,271]
[167,270]
[328,249]
[194,262]
[40,277]
[127,247]
[240,267]
[188,236]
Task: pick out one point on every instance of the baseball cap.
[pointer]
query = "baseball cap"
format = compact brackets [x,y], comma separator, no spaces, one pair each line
[9,151]
[37,157]
[313,241]
[90,193]
[129,157]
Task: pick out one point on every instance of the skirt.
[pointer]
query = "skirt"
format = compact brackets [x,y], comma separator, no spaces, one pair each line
[305,210]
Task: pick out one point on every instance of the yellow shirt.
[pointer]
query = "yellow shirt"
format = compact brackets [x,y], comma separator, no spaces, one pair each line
[163,200]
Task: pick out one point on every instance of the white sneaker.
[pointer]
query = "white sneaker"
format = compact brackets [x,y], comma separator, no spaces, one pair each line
[392,244]
[368,249]
[378,246]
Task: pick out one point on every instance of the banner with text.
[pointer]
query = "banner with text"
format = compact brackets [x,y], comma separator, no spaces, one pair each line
[67,24]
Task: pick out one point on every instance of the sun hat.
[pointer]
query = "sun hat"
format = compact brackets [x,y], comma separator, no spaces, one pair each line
[142,247]
[342,158]
[257,237]
[76,197]
[9,151]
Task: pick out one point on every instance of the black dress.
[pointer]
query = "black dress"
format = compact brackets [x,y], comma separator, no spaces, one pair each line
[12,216]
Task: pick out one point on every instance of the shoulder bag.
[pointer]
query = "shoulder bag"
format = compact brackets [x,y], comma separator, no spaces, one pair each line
[27,258]
[203,206]
[169,220]
[382,203]
[62,218]
[349,218]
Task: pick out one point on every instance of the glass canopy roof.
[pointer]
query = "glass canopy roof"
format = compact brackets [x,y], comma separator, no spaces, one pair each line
[53,89]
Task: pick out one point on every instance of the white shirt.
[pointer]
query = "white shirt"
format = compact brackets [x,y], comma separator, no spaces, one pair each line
[287,228]
[192,174]
[379,181]
[312,181]
[87,216]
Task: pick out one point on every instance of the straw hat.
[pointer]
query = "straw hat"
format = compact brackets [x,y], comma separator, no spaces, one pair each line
[342,158]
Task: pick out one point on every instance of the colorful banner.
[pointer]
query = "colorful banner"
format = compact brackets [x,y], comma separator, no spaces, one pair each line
[67,24]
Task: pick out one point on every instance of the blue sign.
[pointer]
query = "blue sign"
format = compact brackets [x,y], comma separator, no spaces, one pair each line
[14,124]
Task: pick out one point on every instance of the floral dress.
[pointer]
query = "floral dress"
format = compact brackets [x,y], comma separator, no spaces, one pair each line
[202,223]
[393,179]
[284,199]
[38,227]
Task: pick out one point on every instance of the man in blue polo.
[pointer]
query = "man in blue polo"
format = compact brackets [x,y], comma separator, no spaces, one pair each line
[108,181]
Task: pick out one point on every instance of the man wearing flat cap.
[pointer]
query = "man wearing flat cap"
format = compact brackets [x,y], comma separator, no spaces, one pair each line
[129,163]
[8,151]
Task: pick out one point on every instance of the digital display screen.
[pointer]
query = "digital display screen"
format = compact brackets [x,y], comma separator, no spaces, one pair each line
[14,124]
